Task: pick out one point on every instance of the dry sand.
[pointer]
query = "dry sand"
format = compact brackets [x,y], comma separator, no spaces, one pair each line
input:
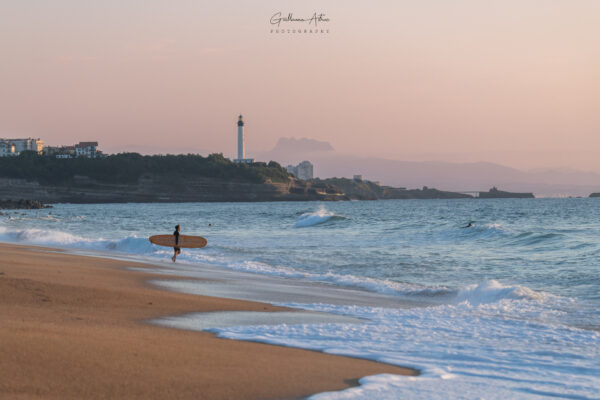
[73,327]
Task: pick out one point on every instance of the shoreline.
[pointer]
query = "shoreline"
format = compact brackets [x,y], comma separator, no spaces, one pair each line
[81,326]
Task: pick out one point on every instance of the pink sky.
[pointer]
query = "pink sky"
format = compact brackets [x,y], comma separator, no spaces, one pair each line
[514,82]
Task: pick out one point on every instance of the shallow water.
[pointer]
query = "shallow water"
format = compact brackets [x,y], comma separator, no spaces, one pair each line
[513,300]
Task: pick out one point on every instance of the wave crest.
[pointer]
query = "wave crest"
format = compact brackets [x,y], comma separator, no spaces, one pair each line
[476,294]
[318,217]
[493,291]
[129,244]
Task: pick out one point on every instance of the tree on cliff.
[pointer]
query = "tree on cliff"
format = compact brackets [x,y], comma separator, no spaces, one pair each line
[129,167]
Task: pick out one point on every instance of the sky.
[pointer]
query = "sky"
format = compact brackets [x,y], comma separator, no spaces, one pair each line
[515,82]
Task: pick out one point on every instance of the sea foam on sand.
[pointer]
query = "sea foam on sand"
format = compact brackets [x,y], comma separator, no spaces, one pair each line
[463,351]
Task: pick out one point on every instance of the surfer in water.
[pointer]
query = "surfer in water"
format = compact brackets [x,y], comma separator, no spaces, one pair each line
[176,250]
[469,225]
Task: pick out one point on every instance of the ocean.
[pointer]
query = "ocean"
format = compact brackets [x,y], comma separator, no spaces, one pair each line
[506,308]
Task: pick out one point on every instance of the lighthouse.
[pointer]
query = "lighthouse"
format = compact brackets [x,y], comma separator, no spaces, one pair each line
[241,150]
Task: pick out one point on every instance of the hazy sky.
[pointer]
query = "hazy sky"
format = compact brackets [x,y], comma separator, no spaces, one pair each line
[516,82]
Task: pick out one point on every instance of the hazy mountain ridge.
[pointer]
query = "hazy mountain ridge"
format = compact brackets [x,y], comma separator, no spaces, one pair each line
[474,176]
[292,150]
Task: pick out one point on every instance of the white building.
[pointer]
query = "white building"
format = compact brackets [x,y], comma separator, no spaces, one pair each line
[86,149]
[7,149]
[358,178]
[28,144]
[304,170]
[60,151]
[241,150]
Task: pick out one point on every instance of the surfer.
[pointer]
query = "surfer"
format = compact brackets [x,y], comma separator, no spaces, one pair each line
[469,225]
[176,250]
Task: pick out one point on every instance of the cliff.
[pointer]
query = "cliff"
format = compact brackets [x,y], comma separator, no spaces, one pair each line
[156,188]
[367,190]
[134,178]
[21,204]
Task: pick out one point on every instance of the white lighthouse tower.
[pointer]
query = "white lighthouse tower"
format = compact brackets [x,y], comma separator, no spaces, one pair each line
[241,145]
[241,149]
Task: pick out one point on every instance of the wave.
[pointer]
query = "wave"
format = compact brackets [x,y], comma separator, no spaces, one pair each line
[475,294]
[487,230]
[317,218]
[483,293]
[130,244]
[508,236]
[531,238]
[492,291]
[40,236]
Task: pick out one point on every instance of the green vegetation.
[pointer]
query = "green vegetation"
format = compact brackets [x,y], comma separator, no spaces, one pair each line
[127,168]
[364,190]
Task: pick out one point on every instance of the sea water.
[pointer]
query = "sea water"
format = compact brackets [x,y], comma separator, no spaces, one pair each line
[506,308]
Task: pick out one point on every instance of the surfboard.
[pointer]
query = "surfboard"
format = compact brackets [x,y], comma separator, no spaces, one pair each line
[185,241]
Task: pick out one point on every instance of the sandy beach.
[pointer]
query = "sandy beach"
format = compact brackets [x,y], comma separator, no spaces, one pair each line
[76,327]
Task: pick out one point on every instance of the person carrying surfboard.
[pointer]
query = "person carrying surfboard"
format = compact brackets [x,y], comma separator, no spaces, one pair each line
[176,249]
[176,241]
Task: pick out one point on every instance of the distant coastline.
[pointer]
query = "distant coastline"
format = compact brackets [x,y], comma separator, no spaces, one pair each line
[133,178]
[494,193]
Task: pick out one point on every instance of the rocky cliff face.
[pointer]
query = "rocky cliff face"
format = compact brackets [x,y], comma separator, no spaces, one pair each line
[152,188]
[21,204]
[367,190]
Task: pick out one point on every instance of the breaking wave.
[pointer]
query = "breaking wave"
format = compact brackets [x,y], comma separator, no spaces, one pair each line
[476,294]
[130,244]
[317,218]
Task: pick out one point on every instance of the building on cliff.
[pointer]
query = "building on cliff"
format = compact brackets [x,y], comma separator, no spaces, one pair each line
[28,144]
[7,149]
[304,170]
[60,151]
[81,149]
[86,149]
[241,149]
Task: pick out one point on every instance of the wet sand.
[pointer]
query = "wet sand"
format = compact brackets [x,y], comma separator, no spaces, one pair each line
[76,327]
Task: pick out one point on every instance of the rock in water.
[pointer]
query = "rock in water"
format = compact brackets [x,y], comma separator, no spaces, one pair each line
[22,204]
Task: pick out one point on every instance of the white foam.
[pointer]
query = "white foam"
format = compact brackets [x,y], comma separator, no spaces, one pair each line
[485,292]
[40,236]
[490,351]
[316,218]
[56,238]
[485,340]
[492,291]
[484,231]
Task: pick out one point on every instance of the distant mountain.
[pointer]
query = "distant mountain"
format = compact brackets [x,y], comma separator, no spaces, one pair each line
[302,145]
[477,176]
[292,150]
